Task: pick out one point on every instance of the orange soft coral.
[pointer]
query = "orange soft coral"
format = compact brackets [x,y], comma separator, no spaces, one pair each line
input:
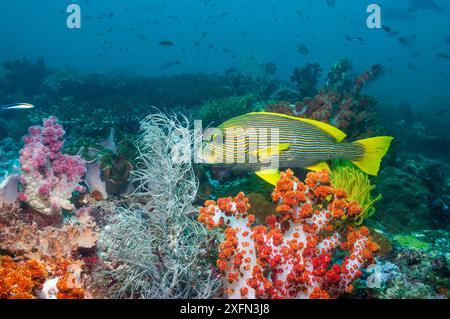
[20,280]
[69,282]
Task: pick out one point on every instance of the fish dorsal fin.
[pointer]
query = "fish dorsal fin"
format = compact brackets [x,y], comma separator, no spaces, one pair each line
[271,176]
[319,167]
[336,133]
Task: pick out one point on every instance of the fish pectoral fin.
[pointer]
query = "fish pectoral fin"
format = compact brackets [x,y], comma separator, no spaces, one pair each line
[319,167]
[272,176]
[268,152]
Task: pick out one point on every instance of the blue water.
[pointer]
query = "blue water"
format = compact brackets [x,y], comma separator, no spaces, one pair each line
[132,58]
[124,37]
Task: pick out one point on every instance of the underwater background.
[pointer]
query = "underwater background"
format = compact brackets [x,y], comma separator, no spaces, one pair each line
[136,70]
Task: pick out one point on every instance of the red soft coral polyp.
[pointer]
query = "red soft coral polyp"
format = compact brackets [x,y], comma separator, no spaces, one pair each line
[291,258]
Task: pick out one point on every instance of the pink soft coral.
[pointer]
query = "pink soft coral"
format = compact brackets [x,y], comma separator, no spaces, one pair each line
[49,177]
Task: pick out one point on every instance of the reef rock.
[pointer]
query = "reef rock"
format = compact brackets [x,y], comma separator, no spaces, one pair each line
[21,237]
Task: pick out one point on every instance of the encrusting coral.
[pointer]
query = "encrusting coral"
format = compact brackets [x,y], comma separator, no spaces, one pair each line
[291,256]
[48,177]
[19,236]
[48,261]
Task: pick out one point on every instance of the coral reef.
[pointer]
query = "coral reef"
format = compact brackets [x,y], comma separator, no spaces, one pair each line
[48,177]
[9,189]
[415,193]
[337,78]
[138,233]
[421,274]
[89,104]
[282,107]
[20,280]
[8,158]
[339,102]
[350,112]
[25,76]
[291,257]
[109,164]
[306,79]
[116,165]
[155,247]
[19,236]
[69,280]
[215,112]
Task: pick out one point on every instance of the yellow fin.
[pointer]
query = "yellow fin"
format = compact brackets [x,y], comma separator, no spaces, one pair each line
[330,129]
[374,150]
[336,133]
[319,167]
[271,176]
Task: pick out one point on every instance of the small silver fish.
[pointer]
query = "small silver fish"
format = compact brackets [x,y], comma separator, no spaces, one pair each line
[17,106]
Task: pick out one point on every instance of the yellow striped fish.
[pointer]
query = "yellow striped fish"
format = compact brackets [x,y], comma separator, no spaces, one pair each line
[253,140]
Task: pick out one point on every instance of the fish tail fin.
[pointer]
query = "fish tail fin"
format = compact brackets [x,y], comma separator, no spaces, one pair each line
[374,150]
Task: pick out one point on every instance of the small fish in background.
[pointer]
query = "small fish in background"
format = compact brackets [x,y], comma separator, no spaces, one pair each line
[302,49]
[441,112]
[387,29]
[393,34]
[404,41]
[416,5]
[17,106]
[166,43]
[331,3]
[354,39]
[447,40]
[443,56]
